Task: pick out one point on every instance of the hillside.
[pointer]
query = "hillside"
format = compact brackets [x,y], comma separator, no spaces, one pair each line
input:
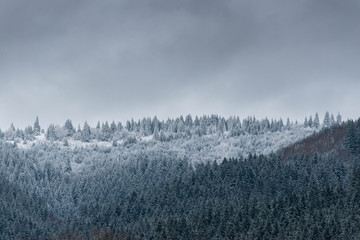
[203,139]
[22,213]
[329,141]
[137,186]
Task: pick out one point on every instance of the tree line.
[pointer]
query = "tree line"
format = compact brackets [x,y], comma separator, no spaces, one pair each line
[180,127]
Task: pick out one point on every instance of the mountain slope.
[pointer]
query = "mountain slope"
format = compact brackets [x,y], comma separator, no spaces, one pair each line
[182,187]
[329,141]
[22,214]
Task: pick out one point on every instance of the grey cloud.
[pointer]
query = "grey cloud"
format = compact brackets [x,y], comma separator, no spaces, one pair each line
[112,59]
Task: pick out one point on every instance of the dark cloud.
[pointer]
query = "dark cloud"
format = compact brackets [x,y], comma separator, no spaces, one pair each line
[91,60]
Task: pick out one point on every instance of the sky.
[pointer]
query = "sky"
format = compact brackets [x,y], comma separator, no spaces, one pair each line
[90,60]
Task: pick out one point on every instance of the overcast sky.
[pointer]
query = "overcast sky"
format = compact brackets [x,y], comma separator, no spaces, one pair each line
[117,59]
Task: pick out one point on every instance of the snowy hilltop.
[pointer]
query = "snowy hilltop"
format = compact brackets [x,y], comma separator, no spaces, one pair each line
[202,139]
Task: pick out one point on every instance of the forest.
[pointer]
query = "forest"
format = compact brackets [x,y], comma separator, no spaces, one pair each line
[136,188]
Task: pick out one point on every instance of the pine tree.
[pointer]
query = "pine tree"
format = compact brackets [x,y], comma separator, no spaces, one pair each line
[119,126]
[86,133]
[37,127]
[316,121]
[155,124]
[106,132]
[50,133]
[281,124]
[28,133]
[162,136]
[351,139]
[2,135]
[69,129]
[310,123]
[326,121]
[221,128]
[338,119]
[156,132]
[188,121]
[196,121]
[306,124]
[288,124]
[128,126]
[113,127]
[332,120]
[180,125]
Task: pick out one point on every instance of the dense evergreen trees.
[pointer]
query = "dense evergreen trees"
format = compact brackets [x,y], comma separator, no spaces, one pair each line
[23,213]
[352,138]
[158,195]
[151,190]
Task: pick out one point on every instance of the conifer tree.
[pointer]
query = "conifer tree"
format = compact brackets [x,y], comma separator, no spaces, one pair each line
[332,120]
[50,133]
[68,127]
[326,121]
[106,132]
[86,133]
[310,122]
[196,121]
[37,127]
[351,139]
[128,126]
[119,126]
[28,133]
[338,119]
[288,124]
[156,132]
[316,121]
[113,127]
[188,121]
[2,135]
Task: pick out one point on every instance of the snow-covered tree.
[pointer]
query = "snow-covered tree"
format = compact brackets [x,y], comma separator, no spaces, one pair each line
[310,122]
[332,120]
[10,134]
[119,126]
[338,119]
[326,121]
[37,127]
[68,128]
[156,132]
[86,133]
[188,121]
[128,125]
[29,133]
[50,133]
[2,135]
[316,121]
[113,127]
[288,124]
[106,133]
